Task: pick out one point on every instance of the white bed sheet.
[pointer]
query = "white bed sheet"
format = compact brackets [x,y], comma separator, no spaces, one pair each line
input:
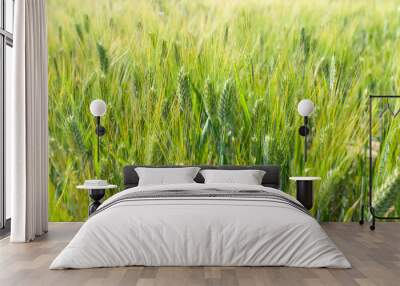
[202,232]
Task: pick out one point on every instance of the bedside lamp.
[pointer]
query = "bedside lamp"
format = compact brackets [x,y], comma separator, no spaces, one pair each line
[98,108]
[305,108]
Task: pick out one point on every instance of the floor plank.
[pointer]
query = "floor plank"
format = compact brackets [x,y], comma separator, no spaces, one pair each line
[375,257]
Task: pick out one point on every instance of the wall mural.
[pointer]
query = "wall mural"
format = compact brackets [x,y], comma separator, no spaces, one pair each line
[218,82]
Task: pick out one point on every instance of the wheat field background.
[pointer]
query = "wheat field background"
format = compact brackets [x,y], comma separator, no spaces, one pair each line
[218,82]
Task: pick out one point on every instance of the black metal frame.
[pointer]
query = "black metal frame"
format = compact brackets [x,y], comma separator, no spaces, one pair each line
[370,206]
[6,39]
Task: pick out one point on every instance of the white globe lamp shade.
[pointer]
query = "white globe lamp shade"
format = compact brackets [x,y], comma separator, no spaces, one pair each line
[98,107]
[305,107]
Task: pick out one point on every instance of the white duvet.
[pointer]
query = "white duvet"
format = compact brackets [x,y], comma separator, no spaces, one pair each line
[200,231]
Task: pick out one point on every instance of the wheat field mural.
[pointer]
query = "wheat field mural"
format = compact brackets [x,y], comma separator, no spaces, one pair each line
[218,82]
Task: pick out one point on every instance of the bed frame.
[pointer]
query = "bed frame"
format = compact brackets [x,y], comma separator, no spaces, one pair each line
[271,178]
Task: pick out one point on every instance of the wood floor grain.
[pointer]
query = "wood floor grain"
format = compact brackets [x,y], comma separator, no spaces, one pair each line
[375,257]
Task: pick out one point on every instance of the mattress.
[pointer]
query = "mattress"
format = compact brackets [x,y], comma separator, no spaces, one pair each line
[201,225]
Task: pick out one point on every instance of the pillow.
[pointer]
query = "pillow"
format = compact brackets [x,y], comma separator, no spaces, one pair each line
[165,176]
[248,177]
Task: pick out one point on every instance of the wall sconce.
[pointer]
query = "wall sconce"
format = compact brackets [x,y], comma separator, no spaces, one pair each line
[98,108]
[305,108]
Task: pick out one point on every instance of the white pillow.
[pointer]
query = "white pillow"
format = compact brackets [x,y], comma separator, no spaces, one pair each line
[248,177]
[165,176]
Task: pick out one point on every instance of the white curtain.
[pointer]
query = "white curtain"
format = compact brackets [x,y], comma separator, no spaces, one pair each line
[26,127]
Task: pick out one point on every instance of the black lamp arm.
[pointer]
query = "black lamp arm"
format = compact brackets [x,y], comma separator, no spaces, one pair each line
[304,131]
[100,131]
[305,137]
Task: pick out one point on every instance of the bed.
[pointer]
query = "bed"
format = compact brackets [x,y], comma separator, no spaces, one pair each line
[198,224]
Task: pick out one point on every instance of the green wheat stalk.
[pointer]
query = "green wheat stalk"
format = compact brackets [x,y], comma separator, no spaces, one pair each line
[103,58]
[183,90]
[387,193]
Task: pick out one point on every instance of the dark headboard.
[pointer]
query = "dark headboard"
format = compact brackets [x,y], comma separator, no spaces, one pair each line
[270,179]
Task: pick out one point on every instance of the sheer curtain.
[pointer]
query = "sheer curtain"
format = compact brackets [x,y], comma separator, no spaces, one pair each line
[26,124]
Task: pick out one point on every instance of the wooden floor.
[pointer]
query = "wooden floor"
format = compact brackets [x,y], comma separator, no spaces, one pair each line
[375,257]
